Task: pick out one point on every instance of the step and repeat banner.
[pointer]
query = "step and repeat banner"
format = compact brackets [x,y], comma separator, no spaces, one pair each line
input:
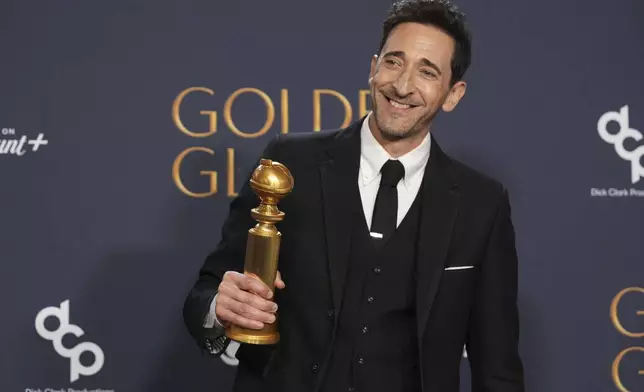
[126,128]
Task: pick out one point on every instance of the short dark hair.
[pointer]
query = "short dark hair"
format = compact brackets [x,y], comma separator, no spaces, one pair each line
[442,14]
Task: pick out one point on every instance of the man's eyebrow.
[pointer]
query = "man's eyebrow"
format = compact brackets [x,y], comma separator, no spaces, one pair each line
[426,62]
[431,65]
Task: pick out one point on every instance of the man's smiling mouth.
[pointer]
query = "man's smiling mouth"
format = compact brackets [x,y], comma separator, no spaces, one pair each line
[397,104]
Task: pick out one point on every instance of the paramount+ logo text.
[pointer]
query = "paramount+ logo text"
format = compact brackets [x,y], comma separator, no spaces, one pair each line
[197,106]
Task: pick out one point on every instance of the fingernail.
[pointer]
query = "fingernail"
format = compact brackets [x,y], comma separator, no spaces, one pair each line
[274,307]
[270,294]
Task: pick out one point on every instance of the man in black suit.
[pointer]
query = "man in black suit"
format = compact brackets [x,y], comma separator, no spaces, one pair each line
[395,256]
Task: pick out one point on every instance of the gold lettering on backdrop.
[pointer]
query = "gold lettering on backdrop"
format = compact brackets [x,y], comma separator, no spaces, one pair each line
[616,378]
[179,108]
[176,109]
[362,103]
[614,315]
[270,112]
[317,110]
[284,96]
[176,173]
[230,171]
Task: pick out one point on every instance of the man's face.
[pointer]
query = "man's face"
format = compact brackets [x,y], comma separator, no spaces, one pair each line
[410,80]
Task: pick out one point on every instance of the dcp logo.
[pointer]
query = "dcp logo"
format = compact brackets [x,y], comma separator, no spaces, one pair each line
[74,353]
[625,132]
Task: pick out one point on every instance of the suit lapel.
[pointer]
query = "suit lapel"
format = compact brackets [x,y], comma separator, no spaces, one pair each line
[339,180]
[439,211]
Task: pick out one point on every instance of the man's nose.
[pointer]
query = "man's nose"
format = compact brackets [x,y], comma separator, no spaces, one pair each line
[403,84]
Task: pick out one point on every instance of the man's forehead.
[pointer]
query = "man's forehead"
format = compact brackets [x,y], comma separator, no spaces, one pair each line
[415,39]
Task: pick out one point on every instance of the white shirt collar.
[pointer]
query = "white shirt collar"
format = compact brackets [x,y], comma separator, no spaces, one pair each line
[373,156]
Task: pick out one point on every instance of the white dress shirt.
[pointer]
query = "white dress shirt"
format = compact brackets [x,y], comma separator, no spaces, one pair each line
[372,157]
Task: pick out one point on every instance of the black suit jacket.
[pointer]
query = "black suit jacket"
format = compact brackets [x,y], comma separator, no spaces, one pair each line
[465,222]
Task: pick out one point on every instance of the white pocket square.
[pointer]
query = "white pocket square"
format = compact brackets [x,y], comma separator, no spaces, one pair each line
[459,268]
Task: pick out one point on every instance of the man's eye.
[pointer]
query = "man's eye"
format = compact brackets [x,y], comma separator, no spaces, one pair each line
[428,73]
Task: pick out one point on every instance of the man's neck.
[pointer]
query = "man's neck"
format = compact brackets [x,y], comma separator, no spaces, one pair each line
[396,147]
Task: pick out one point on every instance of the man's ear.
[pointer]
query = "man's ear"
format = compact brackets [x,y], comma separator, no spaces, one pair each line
[374,63]
[454,96]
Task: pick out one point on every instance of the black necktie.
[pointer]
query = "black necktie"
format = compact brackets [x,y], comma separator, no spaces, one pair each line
[385,211]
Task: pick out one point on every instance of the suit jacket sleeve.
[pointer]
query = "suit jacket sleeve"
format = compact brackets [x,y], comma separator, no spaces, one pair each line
[228,255]
[493,336]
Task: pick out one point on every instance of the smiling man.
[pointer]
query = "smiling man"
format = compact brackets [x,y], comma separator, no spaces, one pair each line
[394,256]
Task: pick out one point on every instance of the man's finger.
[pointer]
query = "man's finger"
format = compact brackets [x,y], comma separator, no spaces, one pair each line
[238,320]
[254,285]
[279,283]
[254,300]
[247,311]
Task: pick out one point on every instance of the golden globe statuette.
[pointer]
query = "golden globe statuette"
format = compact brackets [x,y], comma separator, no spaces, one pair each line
[271,181]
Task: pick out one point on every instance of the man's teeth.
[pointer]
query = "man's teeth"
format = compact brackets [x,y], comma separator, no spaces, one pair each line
[398,105]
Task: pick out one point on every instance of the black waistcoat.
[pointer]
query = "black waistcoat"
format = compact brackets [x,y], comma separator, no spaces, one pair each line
[375,347]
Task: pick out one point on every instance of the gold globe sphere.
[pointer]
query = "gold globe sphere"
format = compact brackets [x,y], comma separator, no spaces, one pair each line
[271,181]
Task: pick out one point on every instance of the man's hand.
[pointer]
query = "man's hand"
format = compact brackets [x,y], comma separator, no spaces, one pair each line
[245,301]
